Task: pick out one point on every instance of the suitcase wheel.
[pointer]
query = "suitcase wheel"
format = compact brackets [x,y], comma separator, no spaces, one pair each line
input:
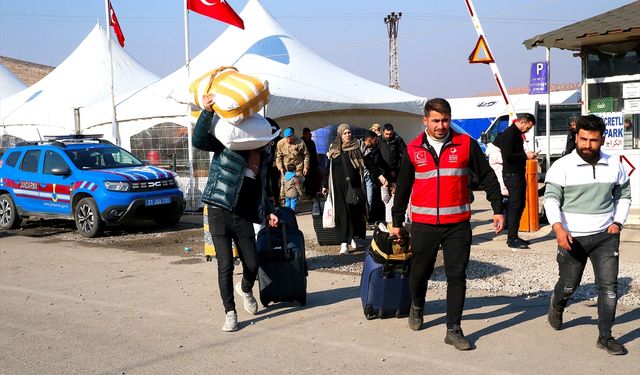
[236,261]
[368,312]
[208,258]
[401,314]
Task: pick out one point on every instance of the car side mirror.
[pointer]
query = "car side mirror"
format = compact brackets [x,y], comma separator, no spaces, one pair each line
[62,171]
[483,138]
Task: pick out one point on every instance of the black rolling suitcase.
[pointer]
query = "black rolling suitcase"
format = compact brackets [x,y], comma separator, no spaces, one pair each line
[325,236]
[282,272]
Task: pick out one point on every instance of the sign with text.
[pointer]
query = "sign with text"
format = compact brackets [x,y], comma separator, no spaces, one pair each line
[539,79]
[631,90]
[631,106]
[614,134]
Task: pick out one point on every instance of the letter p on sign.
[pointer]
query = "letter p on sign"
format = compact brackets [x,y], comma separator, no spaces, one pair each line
[538,82]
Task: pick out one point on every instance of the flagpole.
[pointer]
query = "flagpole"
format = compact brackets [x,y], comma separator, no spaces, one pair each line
[115,132]
[189,126]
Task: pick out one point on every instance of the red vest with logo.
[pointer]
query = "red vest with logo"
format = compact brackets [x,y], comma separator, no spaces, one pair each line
[440,192]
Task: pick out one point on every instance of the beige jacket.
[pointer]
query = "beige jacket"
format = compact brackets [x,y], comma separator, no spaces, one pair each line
[295,153]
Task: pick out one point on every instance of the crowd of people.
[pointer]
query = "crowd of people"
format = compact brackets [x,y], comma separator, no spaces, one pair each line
[427,183]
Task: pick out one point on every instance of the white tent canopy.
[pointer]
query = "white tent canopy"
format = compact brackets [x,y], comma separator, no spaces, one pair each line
[307,91]
[9,83]
[80,81]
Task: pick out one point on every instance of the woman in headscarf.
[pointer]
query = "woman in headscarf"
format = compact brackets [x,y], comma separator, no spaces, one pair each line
[345,160]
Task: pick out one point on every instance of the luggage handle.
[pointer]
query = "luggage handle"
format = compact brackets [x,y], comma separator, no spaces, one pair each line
[287,252]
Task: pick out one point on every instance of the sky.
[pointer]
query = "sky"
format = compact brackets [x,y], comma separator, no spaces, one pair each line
[435,38]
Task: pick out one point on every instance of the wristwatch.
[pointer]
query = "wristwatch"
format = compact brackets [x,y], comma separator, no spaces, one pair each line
[618,224]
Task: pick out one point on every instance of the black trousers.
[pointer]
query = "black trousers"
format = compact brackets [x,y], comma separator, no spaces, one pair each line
[455,240]
[226,226]
[602,250]
[516,183]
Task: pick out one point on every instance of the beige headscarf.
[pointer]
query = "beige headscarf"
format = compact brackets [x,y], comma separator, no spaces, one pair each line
[352,148]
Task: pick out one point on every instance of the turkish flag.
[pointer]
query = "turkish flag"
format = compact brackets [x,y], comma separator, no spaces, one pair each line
[217,9]
[113,21]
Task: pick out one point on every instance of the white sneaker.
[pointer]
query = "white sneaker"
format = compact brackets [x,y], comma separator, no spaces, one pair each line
[248,300]
[230,322]
[343,248]
[354,244]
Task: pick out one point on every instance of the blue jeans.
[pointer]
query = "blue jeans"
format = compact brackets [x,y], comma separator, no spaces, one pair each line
[369,189]
[602,250]
[291,203]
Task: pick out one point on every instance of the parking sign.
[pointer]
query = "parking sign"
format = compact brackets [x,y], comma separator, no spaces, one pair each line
[538,82]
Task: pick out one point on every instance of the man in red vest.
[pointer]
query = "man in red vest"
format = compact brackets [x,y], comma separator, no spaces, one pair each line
[434,175]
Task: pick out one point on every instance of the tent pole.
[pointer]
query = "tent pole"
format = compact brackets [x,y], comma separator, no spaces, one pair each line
[115,132]
[189,125]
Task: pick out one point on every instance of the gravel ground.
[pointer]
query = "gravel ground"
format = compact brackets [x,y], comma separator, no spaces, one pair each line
[495,272]
[499,273]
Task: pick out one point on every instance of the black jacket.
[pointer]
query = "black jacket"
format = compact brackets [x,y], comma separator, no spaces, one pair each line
[392,151]
[514,159]
[375,165]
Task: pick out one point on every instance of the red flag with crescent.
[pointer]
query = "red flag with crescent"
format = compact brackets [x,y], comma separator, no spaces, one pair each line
[216,9]
[113,21]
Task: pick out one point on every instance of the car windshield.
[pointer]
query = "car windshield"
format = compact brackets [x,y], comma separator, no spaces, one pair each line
[102,158]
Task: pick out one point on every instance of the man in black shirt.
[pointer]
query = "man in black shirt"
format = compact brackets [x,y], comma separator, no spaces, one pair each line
[571,136]
[392,149]
[514,163]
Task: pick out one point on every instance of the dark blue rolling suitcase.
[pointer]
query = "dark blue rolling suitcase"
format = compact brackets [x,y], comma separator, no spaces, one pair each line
[282,272]
[384,288]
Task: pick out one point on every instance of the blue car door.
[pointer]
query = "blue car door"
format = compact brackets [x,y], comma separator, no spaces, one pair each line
[55,189]
[27,189]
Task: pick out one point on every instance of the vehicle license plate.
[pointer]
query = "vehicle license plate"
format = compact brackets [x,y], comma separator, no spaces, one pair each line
[157,201]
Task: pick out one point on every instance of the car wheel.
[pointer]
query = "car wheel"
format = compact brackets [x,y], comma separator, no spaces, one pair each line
[167,221]
[9,218]
[87,217]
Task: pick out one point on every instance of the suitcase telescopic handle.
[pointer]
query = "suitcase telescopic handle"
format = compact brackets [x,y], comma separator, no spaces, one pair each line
[287,252]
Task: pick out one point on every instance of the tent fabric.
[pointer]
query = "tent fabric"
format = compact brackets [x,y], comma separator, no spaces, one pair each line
[80,81]
[613,27]
[9,83]
[307,91]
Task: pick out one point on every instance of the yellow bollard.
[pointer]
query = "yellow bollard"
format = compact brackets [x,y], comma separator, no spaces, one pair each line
[530,221]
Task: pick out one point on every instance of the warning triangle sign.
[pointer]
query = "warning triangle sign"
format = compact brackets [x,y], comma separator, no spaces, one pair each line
[476,55]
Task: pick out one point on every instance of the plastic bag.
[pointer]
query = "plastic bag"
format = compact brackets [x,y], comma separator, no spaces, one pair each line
[328,218]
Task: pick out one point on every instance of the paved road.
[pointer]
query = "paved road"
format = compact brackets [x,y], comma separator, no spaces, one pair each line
[67,308]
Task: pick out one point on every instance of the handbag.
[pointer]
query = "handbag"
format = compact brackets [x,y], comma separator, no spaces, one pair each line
[355,196]
[385,248]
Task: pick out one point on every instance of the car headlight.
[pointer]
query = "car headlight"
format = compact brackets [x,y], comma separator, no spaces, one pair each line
[116,185]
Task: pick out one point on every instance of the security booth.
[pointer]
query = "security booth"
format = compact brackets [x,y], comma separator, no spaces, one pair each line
[608,46]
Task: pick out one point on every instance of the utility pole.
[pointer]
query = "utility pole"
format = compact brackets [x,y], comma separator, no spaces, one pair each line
[392,20]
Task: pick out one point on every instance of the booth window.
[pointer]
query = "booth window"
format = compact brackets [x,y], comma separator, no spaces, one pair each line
[166,145]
